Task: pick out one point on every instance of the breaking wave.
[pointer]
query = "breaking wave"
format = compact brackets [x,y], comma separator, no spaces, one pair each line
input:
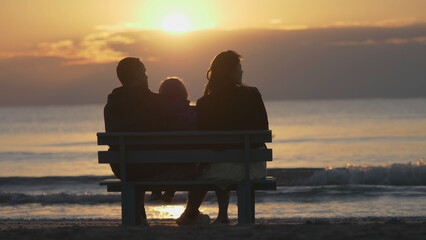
[395,174]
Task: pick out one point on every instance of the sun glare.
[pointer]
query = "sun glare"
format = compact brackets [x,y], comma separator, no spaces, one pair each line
[166,211]
[176,23]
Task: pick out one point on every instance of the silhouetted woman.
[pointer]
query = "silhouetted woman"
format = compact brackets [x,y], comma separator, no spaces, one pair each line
[229,105]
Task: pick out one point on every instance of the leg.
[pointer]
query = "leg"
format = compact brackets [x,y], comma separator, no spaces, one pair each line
[195,198]
[155,195]
[223,203]
[191,215]
[140,214]
[168,195]
[252,207]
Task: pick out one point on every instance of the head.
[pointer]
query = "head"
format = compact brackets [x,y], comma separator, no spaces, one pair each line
[131,71]
[173,88]
[224,72]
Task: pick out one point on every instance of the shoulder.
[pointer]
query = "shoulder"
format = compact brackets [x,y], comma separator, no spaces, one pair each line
[245,89]
[156,98]
[238,92]
[153,94]
[203,100]
[246,93]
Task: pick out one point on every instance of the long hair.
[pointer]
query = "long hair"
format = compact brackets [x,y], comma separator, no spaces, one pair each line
[220,73]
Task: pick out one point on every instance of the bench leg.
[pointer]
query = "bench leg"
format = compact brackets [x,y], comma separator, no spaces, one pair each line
[252,208]
[128,205]
[245,204]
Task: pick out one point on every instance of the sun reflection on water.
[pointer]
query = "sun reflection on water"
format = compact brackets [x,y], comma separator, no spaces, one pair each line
[163,211]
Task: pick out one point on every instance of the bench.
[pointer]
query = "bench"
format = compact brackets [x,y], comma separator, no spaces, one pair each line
[193,140]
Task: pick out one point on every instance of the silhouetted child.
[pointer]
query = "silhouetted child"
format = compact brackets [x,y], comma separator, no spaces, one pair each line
[175,92]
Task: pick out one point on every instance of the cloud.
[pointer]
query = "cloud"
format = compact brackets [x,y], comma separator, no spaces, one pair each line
[394,41]
[294,27]
[399,22]
[368,42]
[99,47]
[92,49]
[122,27]
[420,40]
[275,21]
[278,62]
[277,24]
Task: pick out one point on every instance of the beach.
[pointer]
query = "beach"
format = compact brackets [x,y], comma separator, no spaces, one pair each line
[167,229]
[344,171]
[337,85]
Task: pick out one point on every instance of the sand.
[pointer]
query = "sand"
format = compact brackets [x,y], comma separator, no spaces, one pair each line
[167,229]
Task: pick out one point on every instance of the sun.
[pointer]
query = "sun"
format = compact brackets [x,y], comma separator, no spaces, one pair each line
[176,23]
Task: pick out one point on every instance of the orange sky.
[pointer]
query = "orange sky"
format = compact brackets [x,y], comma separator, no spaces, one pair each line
[29,26]
[78,40]
[26,22]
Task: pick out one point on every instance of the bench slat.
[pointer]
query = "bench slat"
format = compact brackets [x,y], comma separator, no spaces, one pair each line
[183,138]
[114,185]
[185,156]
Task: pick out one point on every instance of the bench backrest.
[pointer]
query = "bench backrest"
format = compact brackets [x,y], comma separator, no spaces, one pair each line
[185,147]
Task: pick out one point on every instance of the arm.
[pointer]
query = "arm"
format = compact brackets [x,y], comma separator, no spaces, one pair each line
[256,117]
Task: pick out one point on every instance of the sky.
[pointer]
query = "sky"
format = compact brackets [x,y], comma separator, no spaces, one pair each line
[65,52]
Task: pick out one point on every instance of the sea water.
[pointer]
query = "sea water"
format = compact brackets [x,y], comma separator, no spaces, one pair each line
[371,151]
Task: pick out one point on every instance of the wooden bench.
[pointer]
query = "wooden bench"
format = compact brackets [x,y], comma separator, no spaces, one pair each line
[193,140]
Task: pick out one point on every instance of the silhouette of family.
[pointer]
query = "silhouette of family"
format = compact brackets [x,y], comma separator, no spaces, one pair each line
[227,104]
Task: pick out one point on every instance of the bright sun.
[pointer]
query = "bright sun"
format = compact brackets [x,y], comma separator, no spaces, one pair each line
[176,23]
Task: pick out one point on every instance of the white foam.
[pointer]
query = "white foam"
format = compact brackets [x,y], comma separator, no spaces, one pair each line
[392,174]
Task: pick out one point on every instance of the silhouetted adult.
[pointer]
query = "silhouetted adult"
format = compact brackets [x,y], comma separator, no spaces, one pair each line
[228,105]
[134,108]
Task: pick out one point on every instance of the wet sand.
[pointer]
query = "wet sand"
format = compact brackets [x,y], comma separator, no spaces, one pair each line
[167,229]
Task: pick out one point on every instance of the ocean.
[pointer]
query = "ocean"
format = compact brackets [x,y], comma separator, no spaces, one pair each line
[368,156]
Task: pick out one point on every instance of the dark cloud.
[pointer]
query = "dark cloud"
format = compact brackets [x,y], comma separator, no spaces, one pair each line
[358,62]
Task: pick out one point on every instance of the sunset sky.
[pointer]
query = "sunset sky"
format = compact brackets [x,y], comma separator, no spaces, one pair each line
[27,22]
[48,44]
